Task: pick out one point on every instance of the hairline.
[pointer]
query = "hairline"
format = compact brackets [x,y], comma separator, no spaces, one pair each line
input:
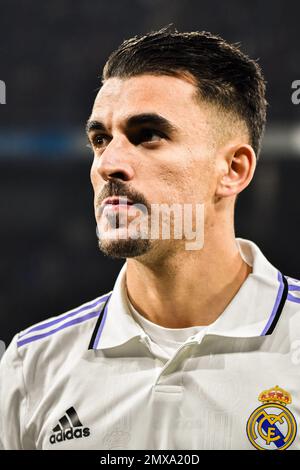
[197,97]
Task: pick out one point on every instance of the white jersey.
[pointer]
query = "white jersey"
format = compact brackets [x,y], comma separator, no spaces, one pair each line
[93,378]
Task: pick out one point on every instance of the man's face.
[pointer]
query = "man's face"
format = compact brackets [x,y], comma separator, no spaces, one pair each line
[154,143]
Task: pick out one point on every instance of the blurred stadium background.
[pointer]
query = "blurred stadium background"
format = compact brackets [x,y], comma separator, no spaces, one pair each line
[51,57]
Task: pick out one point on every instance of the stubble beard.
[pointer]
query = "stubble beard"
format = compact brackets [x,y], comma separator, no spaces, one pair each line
[127,248]
[119,248]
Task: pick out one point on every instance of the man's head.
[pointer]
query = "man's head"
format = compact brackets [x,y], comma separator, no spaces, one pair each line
[179,119]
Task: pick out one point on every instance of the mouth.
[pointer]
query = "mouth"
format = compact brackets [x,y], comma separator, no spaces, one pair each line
[115,203]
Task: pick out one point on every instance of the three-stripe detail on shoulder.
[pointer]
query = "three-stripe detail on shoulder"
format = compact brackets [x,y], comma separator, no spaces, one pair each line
[80,314]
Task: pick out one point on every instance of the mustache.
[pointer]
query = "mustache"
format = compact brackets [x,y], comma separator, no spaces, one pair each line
[118,188]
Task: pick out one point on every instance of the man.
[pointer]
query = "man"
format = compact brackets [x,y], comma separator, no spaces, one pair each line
[196,347]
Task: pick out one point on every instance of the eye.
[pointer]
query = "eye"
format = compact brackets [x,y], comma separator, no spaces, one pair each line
[151,135]
[100,140]
[147,136]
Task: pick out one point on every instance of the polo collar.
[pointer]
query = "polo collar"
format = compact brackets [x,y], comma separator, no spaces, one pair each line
[115,325]
[254,311]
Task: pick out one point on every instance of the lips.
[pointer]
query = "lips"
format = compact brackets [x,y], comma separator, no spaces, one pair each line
[116,200]
[115,203]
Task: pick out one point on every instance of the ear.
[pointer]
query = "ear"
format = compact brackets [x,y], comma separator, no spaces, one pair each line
[236,169]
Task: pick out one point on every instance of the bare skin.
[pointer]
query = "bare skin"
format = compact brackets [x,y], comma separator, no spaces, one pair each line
[200,160]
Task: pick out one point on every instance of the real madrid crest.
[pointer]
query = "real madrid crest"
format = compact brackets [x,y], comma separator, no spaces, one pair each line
[272,425]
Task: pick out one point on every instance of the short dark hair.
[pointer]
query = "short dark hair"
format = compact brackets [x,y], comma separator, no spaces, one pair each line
[224,75]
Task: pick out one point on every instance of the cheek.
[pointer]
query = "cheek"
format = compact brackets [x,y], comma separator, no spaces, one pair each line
[187,184]
[172,185]
[176,174]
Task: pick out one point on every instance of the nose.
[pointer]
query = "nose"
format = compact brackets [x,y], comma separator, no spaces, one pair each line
[115,161]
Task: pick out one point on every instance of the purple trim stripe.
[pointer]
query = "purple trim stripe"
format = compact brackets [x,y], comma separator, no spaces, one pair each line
[293,299]
[294,287]
[62,327]
[97,339]
[277,302]
[68,315]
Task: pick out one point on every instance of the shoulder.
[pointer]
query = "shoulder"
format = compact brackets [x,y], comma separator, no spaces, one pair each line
[36,358]
[60,335]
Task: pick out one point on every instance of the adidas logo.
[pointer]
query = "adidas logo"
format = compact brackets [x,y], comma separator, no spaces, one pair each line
[69,427]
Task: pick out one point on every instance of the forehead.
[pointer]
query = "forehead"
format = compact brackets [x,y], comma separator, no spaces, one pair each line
[171,97]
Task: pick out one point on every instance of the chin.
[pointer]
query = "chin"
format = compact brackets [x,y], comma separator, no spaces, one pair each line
[128,248]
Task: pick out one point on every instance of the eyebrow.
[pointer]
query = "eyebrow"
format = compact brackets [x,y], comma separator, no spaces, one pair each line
[137,120]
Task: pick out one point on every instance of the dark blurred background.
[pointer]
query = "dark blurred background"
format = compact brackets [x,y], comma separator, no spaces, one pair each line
[51,57]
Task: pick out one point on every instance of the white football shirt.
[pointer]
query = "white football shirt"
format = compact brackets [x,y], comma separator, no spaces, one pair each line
[92,377]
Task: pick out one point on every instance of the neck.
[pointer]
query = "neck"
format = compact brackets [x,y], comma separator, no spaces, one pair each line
[189,288]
